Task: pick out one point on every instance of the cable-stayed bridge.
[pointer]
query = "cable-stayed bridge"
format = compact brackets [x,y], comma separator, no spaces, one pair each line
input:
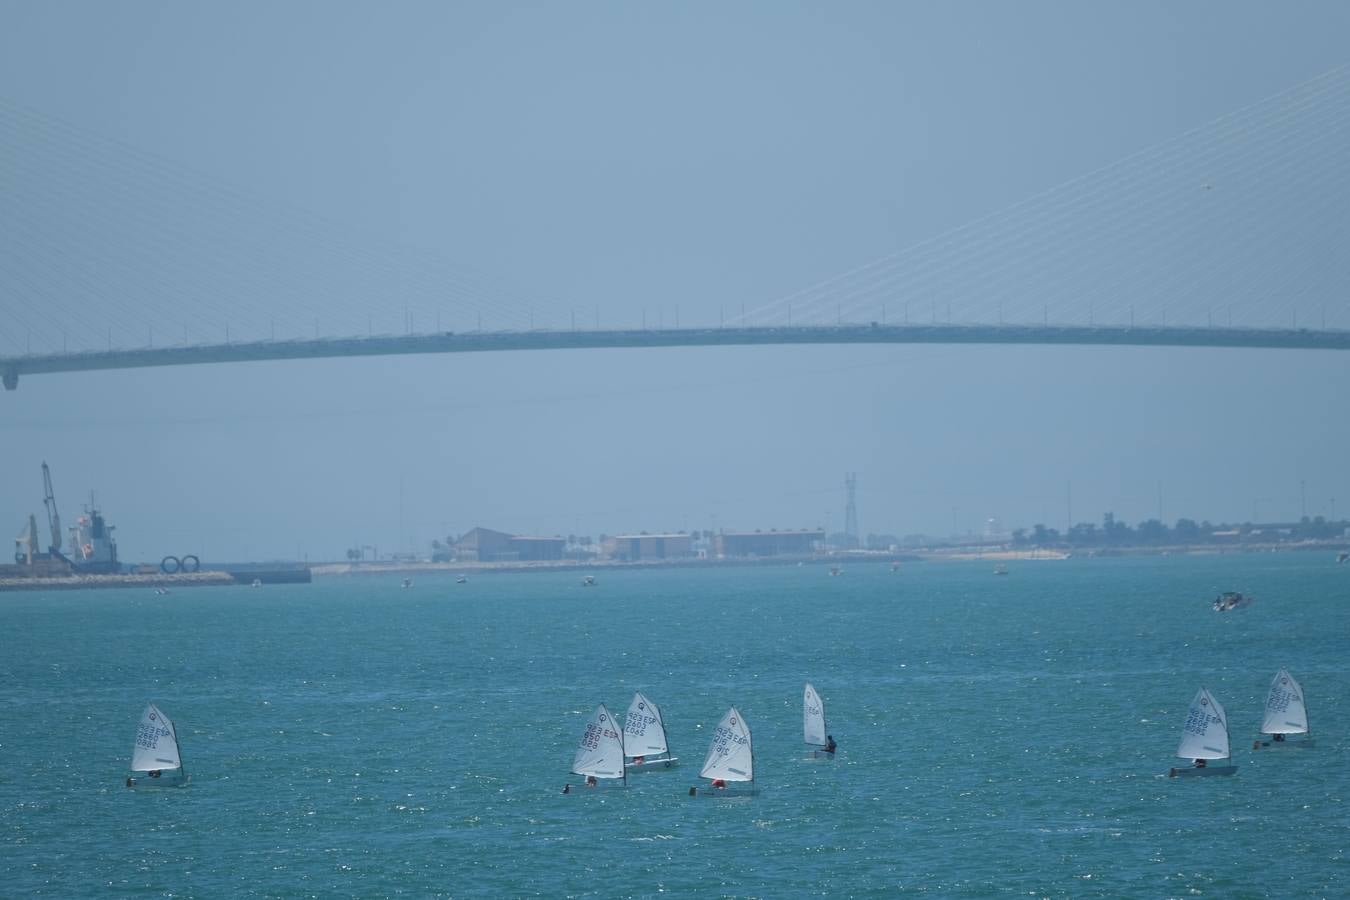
[1232,234]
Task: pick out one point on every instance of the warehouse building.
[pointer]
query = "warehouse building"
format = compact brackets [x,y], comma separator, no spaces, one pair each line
[643,547]
[768,543]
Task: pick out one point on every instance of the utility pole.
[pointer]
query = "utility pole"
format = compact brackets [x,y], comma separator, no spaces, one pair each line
[851,509]
[1068,505]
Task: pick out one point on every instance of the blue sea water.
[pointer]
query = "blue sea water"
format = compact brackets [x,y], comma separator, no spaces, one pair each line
[999,736]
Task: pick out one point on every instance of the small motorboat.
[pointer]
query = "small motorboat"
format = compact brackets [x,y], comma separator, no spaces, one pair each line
[1231,600]
[463,579]
[588,581]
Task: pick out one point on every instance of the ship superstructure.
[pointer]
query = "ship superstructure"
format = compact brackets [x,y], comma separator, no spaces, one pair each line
[92,545]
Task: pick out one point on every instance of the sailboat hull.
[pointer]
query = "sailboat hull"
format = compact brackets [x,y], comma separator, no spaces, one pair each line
[1193,772]
[603,784]
[143,781]
[652,765]
[720,793]
[1283,745]
[819,754]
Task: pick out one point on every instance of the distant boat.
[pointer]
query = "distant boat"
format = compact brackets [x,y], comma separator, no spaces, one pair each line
[407,583]
[588,581]
[813,724]
[1204,737]
[1343,556]
[600,751]
[644,737]
[1231,600]
[257,583]
[1000,569]
[731,759]
[463,579]
[835,570]
[895,567]
[156,759]
[1286,713]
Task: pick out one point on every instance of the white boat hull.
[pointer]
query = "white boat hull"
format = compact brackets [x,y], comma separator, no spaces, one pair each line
[1283,745]
[652,765]
[1193,772]
[819,754]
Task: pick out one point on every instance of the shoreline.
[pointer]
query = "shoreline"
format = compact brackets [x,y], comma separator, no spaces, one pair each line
[952,554]
[93,582]
[218,578]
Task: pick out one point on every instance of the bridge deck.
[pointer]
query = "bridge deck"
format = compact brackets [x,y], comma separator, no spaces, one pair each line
[482,342]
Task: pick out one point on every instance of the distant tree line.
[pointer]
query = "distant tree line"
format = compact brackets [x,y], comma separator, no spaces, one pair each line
[1152,532]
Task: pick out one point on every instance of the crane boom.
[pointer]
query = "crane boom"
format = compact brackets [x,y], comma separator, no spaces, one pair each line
[53,517]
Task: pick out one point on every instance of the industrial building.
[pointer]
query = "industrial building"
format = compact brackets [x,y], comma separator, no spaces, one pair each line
[640,547]
[768,543]
[482,545]
[537,549]
[486,545]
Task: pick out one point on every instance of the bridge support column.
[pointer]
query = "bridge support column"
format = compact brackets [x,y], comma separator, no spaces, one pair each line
[11,378]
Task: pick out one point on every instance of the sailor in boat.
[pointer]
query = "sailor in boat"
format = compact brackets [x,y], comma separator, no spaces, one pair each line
[591,781]
[1278,736]
[1199,763]
[830,745]
[720,783]
[567,788]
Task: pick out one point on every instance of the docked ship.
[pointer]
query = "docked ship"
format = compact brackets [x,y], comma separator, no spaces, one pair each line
[92,546]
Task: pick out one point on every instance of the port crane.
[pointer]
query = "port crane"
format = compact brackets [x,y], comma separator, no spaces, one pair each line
[53,517]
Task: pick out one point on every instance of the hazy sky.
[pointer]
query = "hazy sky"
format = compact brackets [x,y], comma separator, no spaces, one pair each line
[627,158]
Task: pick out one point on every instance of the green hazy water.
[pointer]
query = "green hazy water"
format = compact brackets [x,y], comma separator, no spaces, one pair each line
[998,735]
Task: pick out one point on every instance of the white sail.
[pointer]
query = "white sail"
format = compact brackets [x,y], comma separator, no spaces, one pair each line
[600,751]
[156,743]
[730,757]
[813,717]
[1205,735]
[1285,712]
[644,733]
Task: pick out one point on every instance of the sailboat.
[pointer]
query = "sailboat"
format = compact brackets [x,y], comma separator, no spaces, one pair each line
[644,736]
[600,751]
[813,724]
[1285,713]
[1204,738]
[156,760]
[731,758]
